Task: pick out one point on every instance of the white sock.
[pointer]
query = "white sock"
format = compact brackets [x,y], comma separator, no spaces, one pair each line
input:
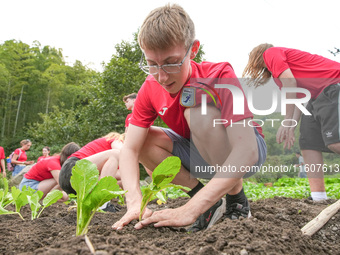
[104,205]
[317,196]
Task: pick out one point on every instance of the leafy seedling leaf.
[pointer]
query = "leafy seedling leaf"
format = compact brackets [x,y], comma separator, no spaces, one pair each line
[91,194]
[163,174]
[19,198]
[51,198]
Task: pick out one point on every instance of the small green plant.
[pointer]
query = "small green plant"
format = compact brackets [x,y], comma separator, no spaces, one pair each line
[163,174]
[5,196]
[51,198]
[33,197]
[19,200]
[26,196]
[91,193]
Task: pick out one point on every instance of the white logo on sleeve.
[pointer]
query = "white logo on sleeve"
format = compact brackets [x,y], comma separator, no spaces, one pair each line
[163,111]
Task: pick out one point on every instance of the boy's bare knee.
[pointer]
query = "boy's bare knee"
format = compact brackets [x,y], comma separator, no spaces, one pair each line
[335,147]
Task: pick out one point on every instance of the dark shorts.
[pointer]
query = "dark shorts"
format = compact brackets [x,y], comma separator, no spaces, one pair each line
[191,158]
[65,175]
[322,128]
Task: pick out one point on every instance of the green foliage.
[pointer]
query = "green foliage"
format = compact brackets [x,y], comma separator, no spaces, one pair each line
[51,198]
[290,187]
[5,197]
[26,196]
[83,105]
[35,79]
[163,174]
[33,197]
[19,199]
[91,194]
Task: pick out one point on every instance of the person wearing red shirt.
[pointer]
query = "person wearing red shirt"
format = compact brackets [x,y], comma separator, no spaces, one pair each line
[103,152]
[20,158]
[129,101]
[45,152]
[319,132]
[44,175]
[2,161]
[173,91]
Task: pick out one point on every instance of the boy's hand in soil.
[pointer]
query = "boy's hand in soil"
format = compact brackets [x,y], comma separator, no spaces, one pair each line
[178,217]
[130,215]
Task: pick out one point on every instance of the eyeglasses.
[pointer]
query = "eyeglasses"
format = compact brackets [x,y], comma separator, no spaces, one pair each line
[168,68]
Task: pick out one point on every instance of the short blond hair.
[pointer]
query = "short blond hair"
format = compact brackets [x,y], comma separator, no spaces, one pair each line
[255,68]
[166,26]
[115,135]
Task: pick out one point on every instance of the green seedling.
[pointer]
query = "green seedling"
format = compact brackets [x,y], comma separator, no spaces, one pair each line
[51,198]
[19,200]
[163,174]
[5,196]
[91,193]
[33,197]
[24,196]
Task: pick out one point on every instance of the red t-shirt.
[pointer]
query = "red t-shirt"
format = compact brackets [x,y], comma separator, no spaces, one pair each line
[153,100]
[23,156]
[127,120]
[312,72]
[42,170]
[94,147]
[42,158]
[2,153]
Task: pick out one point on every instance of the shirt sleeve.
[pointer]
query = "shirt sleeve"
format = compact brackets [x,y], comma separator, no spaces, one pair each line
[276,61]
[2,153]
[144,113]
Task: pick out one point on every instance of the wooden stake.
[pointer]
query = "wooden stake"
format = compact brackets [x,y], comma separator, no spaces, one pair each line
[314,225]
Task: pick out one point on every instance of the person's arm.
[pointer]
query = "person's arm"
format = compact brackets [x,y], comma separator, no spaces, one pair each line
[3,168]
[243,153]
[286,134]
[14,159]
[117,144]
[55,174]
[129,171]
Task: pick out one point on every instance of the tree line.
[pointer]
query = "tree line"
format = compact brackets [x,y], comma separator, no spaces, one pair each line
[52,103]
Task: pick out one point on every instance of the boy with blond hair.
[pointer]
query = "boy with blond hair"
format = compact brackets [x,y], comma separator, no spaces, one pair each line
[174,90]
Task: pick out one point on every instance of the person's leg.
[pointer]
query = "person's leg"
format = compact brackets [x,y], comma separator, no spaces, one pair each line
[335,147]
[48,185]
[106,162]
[211,142]
[313,159]
[312,144]
[156,148]
[214,147]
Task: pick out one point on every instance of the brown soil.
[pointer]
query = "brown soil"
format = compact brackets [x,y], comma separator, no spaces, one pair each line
[273,229]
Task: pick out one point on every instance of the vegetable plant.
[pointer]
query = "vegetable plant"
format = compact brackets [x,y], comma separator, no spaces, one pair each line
[163,174]
[26,196]
[51,198]
[19,199]
[91,193]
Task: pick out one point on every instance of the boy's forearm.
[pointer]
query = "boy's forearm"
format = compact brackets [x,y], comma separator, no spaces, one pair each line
[129,169]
